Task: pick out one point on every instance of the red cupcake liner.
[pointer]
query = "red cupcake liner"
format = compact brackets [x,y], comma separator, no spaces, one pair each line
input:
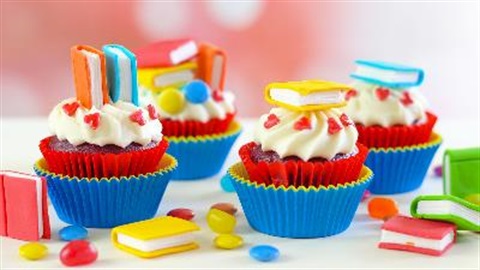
[396,136]
[102,164]
[300,173]
[175,128]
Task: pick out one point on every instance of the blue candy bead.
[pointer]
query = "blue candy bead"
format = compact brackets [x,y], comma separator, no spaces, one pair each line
[73,232]
[226,184]
[196,92]
[264,253]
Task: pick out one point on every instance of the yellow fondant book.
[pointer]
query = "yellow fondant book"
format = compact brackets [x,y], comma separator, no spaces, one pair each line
[155,237]
[159,78]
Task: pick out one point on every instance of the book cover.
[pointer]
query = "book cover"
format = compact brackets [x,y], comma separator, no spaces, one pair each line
[461,172]
[447,208]
[212,66]
[157,79]
[166,53]
[388,74]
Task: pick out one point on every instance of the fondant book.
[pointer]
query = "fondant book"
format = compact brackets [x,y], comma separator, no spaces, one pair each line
[166,53]
[461,172]
[387,74]
[211,66]
[157,79]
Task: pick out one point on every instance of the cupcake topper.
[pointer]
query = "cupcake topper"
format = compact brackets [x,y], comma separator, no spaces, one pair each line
[306,95]
[121,73]
[388,74]
[89,75]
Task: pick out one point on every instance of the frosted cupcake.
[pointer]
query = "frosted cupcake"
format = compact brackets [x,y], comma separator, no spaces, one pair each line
[393,121]
[105,150]
[304,161]
[185,81]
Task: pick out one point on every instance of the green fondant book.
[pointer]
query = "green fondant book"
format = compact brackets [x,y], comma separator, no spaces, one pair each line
[461,172]
[447,208]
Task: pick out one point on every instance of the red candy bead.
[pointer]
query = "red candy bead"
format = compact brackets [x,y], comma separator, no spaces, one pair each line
[382,93]
[78,252]
[272,120]
[183,213]
[217,95]
[382,208]
[152,112]
[406,99]
[346,121]
[350,94]
[137,117]
[70,108]
[225,207]
[302,123]
[333,126]
[93,120]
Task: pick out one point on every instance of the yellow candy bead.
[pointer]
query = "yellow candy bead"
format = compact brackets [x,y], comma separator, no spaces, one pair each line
[473,198]
[221,222]
[33,251]
[228,241]
[171,100]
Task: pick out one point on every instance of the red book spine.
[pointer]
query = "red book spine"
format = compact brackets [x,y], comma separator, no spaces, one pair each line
[3,213]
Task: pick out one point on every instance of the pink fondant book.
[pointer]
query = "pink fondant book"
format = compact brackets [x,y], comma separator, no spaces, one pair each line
[166,53]
[417,235]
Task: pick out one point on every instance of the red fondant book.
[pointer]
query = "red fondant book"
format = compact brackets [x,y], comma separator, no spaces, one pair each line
[166,53]
[417,235]
[23,206]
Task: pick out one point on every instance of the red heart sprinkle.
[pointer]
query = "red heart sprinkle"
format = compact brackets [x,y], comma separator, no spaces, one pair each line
[382,93]
[70,108]
[333,126]
[346,121]
[217,95]
[351,93]
[93,120]
[302,123]
[152,112]
[137,117]
[406,99]
[272,120]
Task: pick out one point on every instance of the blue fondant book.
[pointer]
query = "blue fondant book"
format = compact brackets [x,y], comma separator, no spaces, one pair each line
[387,74]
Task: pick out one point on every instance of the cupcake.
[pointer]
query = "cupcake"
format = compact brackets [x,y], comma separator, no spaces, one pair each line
[185,82]
[392,119]
[304,161]
[105,150]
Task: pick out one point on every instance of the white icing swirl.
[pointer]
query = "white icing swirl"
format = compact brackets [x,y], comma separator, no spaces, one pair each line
[306,144]
[367,109]
[115,126]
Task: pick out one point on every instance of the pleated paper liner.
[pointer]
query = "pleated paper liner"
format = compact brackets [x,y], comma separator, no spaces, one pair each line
[107,202]
[303,173]
[202,156]
[401,169]
[396,136]
[102,164]
[298,212]
[195,128]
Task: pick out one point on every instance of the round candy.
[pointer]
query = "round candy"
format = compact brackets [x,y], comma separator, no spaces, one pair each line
[264,253]
[382,208]
[221,222]
[196,92]
[73,232]
[438,171]
[33,251]
[183,213]
[366,195]
[473,198]
[225,207]
[171,100]
[78,252]
[226,184]
[228,241]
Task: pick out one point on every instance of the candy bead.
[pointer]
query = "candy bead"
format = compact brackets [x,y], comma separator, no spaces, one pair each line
[382,208]
[33,251]
[264,253]
[171,100]
[473,198]
[196,92]
[438,171]
[73,232]
[183,213]
[228,241]
[226,184]
[78,252]
[225,207]
[221,222]
[366,195]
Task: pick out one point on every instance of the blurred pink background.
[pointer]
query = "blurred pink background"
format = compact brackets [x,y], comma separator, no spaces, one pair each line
[265,41]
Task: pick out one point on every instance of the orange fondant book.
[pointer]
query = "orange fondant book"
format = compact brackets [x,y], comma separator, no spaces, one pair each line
[23,206]
[211,66]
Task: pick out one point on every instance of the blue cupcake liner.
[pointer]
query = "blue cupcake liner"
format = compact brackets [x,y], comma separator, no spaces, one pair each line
[298,212]
[202,156]
[107,202]
[401,169]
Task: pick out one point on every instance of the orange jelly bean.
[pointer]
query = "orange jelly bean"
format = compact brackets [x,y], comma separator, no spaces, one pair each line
[382,208]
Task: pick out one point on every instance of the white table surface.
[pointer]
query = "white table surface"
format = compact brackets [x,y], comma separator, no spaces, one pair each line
[355,248]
